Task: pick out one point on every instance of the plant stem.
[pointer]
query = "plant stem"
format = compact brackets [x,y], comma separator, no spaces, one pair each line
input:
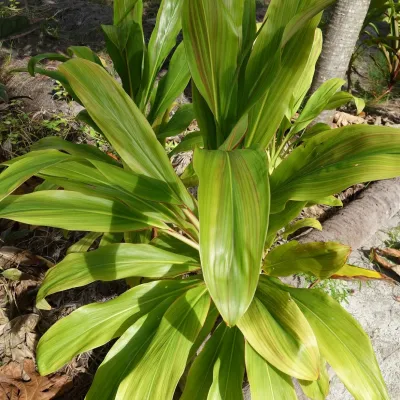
[192,218]
[182,238]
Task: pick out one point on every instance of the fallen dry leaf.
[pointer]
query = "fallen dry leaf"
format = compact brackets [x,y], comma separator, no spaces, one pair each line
[13,255]
[18,338]
[25,383]
[383,262]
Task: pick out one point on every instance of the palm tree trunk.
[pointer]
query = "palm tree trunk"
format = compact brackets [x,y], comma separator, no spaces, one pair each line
[340,40]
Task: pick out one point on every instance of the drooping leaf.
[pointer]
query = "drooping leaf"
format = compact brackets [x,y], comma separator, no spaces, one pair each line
[342,342]
[302,223]
[95,324]
[334,160]
[115,261]
[266,382]
[79,150]
[122,123]
[45,56]
[233,207]
[22,168]
[276,329]
[73,211]
[85,53]
[319,259]
[217,372]
[172,84]
[154,374]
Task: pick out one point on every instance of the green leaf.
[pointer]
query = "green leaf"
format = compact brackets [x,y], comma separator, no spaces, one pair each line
[302,223]
[178,123]
[315,130]
[24,167]
[125,45]
[112,262]
[212,62]
[171,244]
[111,238]
[280,220]
[132,345]
[319,259]
[95,324]
[172,84]
[319,389]
[276,329]
[84,244]
[335,160]
[266,382]
[188,143]
[162,41]
[237,135]
[78,150]
[122,123]
[302,18]
[317,103]
[268,113]
[343,343]
[122,8]
[208,326]
[338,99]
[45,56]
[85,53]
[234,208]
[155,372]
[218,371]
[74,211]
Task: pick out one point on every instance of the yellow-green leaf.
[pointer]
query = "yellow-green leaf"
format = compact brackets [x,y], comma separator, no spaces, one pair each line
[233,209]
[276,328]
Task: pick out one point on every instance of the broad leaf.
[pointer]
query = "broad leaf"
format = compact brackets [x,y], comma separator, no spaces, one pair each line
[78,150]
[115,261]
[343,343]
[218,371]
[334,160]
[24,167]
[95,324]
[178,123]
[45,56]
[154,373]
[319,259]
[266,382]
[188,143]
[162,41]
[111,238]
[319,389]
[302,223]
[276,329]
[212,62]
[74,211]
[84,244]
[85,53]
[350,272]
[317,103]
[122,8]
[172,84]
[233,207]
[122,123]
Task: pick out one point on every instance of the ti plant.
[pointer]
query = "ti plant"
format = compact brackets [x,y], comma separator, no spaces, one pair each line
[138,65]
[206,306]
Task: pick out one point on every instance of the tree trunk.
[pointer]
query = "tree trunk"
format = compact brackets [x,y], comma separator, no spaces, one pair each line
[340,40]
